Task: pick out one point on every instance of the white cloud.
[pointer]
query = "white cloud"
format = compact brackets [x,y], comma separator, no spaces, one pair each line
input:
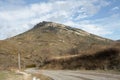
[62,11]
[115,8]
[14,1]
[11,4]
[98,30]
[110,22]
[73,24]
[108,27]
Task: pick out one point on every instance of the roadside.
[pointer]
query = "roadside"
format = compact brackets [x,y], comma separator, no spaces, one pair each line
[8,75]
[37,74]
[18,75]
[42,77]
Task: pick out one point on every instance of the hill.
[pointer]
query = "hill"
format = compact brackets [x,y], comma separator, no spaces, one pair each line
[118,40]
[49,40]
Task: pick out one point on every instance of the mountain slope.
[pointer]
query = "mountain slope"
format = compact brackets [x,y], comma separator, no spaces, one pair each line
[58,38]
[47,40]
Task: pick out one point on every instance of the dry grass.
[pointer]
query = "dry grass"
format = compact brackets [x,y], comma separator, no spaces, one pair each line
[8,75]
[108,59]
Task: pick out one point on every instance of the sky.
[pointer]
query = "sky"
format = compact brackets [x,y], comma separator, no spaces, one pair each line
[100,17]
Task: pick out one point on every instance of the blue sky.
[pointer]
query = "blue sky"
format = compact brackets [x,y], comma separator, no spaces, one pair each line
[100,17]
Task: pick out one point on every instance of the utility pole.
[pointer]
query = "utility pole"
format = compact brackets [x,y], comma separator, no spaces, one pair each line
[19,61]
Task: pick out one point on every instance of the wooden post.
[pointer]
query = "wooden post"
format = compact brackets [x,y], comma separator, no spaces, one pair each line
[19,61]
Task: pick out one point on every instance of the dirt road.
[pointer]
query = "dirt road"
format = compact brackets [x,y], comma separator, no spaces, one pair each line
[77,75]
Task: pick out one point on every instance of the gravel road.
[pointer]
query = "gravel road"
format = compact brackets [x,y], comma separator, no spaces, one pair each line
[76,75]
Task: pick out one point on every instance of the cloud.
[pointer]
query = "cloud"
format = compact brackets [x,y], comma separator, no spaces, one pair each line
[110,22]
[66,8]
[98,30]
[108,27]
[115,8]
[11,4]
[91,27]
[18,16]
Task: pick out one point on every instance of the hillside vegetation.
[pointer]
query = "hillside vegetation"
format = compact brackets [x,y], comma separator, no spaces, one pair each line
[107,59]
